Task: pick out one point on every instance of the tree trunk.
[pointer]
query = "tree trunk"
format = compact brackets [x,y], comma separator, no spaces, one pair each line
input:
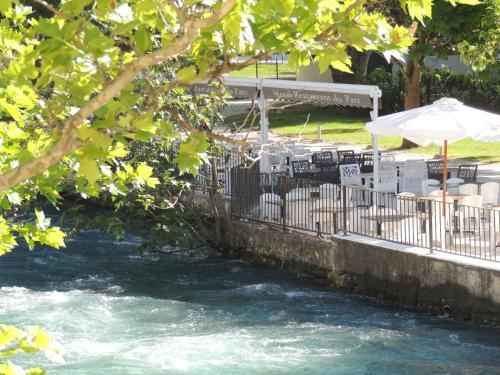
[360,66]
[412,93]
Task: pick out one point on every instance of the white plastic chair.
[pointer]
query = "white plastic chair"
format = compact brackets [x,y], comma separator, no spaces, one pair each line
[440,223]
[297,194]
[388,175]
[270,207]
[405,203]
[489,192]
[453,184]
[365,225]
[427,186]
[350,175]
[322,211]
[298,214]
[414,173]
[436,193]
[469,213]
[468,189]
[329,191]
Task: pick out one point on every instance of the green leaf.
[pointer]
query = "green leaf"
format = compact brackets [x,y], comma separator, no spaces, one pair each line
[5,5]
[142,39]
[187,74]
[89,169]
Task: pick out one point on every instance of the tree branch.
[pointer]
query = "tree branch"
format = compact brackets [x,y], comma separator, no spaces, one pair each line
[67,143]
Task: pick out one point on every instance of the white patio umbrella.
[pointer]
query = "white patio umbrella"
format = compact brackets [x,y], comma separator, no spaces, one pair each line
[445,121]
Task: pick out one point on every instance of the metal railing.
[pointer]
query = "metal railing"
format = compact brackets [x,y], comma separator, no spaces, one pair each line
[225,162]
[325,209]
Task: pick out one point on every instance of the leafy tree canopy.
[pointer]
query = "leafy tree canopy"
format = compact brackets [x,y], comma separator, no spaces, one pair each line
[80,80]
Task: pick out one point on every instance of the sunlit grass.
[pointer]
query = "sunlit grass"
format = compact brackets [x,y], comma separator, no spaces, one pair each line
[350,129]
[266,71]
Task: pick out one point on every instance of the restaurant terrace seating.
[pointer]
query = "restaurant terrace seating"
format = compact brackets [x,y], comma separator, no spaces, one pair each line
[341,153]
[323,159]
[468,173]
[435,170]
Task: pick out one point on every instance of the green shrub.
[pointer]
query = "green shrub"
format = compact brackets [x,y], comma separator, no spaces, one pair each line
[469,89]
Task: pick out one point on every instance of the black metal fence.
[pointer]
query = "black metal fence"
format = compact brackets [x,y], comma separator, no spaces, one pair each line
[324,208]
[224,163]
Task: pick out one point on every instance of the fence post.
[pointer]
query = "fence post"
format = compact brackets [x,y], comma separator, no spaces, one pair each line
[283,208]
[344,208]
[429,214]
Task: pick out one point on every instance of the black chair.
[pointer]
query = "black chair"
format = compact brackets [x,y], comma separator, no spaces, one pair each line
[329,174]
[468,173]
[351,159]
[341,153]
[367,163]
[323,159]
[301,168]
[435,170]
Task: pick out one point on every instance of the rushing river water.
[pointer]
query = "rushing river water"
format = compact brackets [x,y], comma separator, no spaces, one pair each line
[115,311]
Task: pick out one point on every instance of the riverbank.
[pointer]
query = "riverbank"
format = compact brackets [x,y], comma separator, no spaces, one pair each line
[439,283]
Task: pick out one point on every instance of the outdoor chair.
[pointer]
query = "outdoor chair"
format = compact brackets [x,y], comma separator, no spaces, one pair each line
[440,223]
[367,162]
[301,168]
[409,228]
[350,175]
[406,203]
[298,214]
[367,226]
[270,207]
[489,192]
[453,184]
[351,159]
[468,189]
[436,193]
[298,194]
[468,173]
[329,174]
[328,191]
[341,153]
[333,150]
[322,211]
[435,170]
[299,153]
[428,186]
[469,213]
[414,172]
[323,159]
[388,175]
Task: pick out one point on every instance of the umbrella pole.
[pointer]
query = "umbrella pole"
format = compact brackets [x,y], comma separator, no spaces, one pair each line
[445,177]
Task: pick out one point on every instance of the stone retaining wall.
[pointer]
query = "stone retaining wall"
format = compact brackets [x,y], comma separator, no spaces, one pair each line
[369,267]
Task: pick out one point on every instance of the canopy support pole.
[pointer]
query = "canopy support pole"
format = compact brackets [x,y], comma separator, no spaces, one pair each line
[264,130]
[374,116]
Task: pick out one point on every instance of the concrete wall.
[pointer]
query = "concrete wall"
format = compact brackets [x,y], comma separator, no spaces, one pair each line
[369,267]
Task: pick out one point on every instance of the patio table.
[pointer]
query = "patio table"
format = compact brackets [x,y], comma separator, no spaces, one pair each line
[437,198]
[392,218]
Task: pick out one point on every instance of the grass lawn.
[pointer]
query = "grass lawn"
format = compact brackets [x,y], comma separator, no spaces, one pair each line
[266,71]
[349,129]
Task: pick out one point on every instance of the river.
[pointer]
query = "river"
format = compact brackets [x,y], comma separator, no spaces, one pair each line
[115,311]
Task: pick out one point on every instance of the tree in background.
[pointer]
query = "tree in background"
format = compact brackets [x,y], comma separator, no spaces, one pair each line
[441,27]
[481,48]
